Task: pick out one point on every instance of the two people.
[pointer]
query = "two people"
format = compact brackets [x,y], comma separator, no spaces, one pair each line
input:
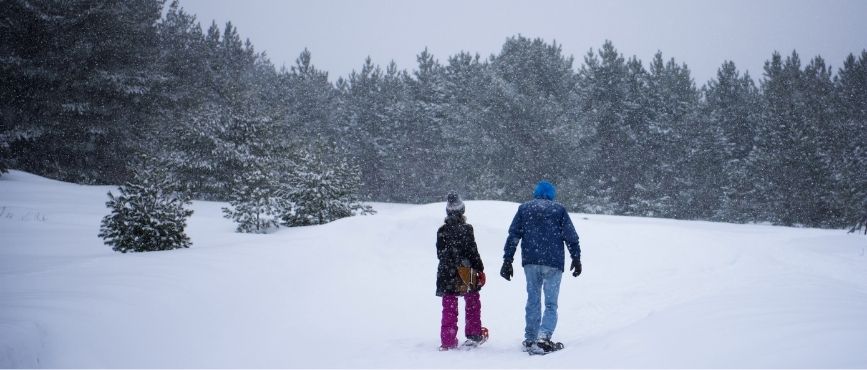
[542,226]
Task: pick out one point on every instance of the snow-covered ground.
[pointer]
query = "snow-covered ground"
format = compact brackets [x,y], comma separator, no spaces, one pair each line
[359,292]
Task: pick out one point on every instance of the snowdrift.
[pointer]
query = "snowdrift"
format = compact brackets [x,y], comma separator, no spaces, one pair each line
[359,292]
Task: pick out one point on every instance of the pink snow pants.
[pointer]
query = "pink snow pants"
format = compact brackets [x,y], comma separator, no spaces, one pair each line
[449,329]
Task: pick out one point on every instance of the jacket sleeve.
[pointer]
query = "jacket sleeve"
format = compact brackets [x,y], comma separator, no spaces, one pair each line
[516,232]
[441,245]
[474,257]
[570,236]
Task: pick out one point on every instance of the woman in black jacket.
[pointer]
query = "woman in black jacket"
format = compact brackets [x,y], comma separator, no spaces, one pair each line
[458,254]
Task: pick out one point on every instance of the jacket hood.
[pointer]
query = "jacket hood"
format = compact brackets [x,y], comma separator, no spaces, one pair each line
[545,190]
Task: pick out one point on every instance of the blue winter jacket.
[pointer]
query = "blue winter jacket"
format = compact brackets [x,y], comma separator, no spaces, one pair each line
[542,226]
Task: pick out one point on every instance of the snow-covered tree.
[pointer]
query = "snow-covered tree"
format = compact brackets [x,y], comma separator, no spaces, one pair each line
[817,206]
[421,136]
[790,161]
[530,113]
[148,214]
[4,154]
[78,79]
[467,150]
[607,87]
[311,103]
[376,107]
[257,200]
[732,107]
[685,149]
[235,123]
[360,116]
[3,166]
[850,149]
[322,191]
[862,219]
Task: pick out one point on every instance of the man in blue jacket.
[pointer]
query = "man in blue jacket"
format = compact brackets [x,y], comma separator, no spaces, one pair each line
[542,226]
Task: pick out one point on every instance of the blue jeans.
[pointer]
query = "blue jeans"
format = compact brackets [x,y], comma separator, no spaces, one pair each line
[539,279]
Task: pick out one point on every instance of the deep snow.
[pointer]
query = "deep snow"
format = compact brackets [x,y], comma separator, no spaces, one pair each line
[359,292]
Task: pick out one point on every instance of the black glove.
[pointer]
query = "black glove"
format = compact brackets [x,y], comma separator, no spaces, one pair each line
[576,267]
[506,271]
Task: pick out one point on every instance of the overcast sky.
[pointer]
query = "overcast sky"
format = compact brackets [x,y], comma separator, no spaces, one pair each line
[340,34]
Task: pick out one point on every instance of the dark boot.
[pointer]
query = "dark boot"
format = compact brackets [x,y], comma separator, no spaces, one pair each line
[548,346]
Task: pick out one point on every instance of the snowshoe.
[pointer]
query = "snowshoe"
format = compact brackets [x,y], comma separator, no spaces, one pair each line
[474,341]
[542,347]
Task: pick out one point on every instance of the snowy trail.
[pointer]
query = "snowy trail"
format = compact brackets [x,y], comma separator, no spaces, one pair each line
[358,292]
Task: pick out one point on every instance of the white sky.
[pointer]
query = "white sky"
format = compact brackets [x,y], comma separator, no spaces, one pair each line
[340,34]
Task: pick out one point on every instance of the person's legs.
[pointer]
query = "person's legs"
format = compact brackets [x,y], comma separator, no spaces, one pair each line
[473,311]
[551,288]
[533,310]
[449,327]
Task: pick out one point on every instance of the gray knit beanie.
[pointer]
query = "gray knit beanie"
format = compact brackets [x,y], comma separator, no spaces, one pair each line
[455,205]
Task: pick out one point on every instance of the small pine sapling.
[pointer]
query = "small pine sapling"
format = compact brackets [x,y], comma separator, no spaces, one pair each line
[862,219]
[256,201]
[4,155]
[149,214]
[323,191]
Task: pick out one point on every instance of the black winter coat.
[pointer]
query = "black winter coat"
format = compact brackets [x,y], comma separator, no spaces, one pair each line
[456,246]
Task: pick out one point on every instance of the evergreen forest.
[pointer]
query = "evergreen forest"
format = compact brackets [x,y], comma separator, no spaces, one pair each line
[89,88]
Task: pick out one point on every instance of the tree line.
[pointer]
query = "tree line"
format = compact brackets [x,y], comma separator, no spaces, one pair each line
[89,87]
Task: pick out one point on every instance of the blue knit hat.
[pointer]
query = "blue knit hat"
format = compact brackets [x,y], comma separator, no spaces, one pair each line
[545,190]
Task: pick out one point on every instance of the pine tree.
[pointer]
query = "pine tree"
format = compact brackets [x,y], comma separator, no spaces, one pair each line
[731,107]
[236,123]
[790,161]
[468,149]
[643,173]
[850,164]
[4,154]
[22,44]
[149,214]
[768,162]
[79,101]
[311,103]
[861,220]
[321,192]
[607,89]
[424,152]
[395,132]
[530,116]
[4,167]
[184,68]
[817,203]
[367,125]
[257,200]
[686,149]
